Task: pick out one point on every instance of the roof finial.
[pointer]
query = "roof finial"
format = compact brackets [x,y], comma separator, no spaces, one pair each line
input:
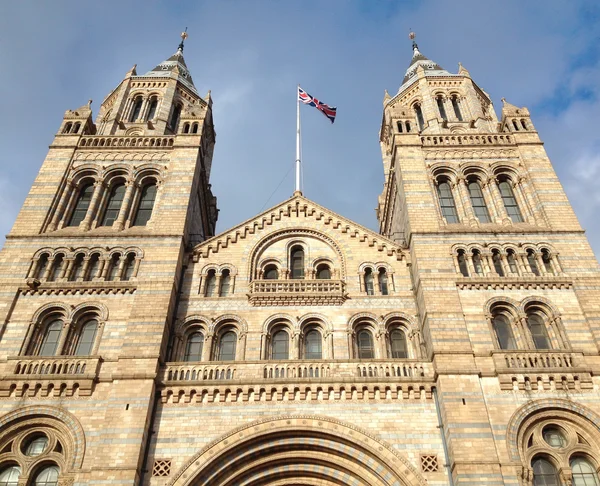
[412,36]
[184,36]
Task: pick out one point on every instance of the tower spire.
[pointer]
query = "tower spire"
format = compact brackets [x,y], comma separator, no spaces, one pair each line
[184,36]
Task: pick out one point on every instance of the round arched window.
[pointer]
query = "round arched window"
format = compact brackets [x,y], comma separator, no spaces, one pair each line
[554,436]
[35,445]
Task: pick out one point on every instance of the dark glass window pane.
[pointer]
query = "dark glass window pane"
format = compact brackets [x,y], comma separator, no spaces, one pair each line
[211,284]
[193,348]
[502,327]
[42,266]
[280,345]
[547,262]
[152,109]
[175,117]
[113,272]
[497,260]
[532,263]
[512,262]
[50,338]
[225,283]
[56,268]
[383,281]
[271,273]
[419,114]
[227,346]
[145,206]
[456,106]
[129,266]
[441,108]
[510,203]
[544,473]
[10,476]
[323,272]
[584,473]
[312,345]
[36,446]
[297,262]
[135,111]
[94,265]
[87,337]
[462,263]
[369,288]
[398,344]
[365,345]
[83,203]
[554,436]
[47,476]
[477,263]
[538,330]
[113,207]
[447,203]
[478,202]
[77,268]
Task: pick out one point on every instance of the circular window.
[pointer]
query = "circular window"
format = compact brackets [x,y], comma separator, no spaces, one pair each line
[36,445]
[554,436]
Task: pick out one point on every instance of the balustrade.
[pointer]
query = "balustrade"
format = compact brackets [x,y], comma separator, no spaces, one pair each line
[93,141]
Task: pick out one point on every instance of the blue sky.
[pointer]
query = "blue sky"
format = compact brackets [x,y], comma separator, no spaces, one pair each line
[251,54]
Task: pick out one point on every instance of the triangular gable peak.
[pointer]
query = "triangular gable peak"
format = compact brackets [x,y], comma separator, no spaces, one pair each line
[299,206]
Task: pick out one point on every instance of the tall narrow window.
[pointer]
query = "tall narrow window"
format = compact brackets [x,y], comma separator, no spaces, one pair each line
[113,271]
[48,476]
[478,202]
[510,203]
[115,200]
[271,273]
[584,473]
[211,284]
[512,262]
[383,281]
[547,262]
[83,204]
[515,125]
[93,268]
[420,119]
[129,266]
[175,117]
[544,473]
[50,338]
[9,476]
[497,261]
[504,334]
[538,330]
[77,268]
[407,127]
[87,336]
[225,283]
[297,262]
[193,347]
[313,345]
[477,262]
[146,205]
[441,107]
[398,344]
[42,266]
[365,345]
[57,265]
[456,107]
[462,263]
[136,108]
[323,272]
[399,125]
[523,125]
[369,288]
[532,263]
[447,203]
[280,345]
[152,108]
[227,346]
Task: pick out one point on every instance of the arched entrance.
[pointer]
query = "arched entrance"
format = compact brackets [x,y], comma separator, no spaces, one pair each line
[298,451]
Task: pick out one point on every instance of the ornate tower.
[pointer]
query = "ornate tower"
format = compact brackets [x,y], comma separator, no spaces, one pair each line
[505,281]
[91,271]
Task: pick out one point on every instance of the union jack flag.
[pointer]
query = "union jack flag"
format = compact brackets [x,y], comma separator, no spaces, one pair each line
[328,111]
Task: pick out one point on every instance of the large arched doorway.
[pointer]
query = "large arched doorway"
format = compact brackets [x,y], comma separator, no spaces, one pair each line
[298,451]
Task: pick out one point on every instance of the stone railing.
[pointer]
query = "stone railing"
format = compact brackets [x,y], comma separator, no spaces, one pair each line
[444,140]
[55,365]
[300,291]
[535,359]
[297,370]
[400,370]
[94,141]
[197,372]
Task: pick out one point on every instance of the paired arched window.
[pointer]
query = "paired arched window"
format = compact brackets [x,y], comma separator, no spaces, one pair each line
[115,201]
[80,338]
[146,205]
[478,202]
[152,108]
[225,284]
[365,345]
[539,332]
[50,338]
[510,202]
[193,347]
[503,330]
[313,345]
[297,262]
[211,284]
[383,281]
[280,345]
[227,346]
[456,108]
[83,204]
[369,286]
[419,115]
[447,204]
[440,104]
[136,109]
[398,345]
[86,338]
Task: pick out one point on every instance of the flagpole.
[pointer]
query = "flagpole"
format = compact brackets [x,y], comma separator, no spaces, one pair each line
[298,140]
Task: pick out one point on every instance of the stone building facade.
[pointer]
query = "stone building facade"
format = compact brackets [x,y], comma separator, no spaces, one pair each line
[459,346]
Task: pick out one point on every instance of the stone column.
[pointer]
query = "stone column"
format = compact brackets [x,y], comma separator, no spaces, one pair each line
[527,192]
[136,266]
[466,201]
[69,207]
[48,268]
[497,198]
[60,207]
[63,337]
[84,268]
[470,265]
[296,341]
[207,348]
[485,262]
[122,262]
[522,202]
[217,286]
[489,201]
[124,211]
[100,272]
[98,338]
[67,267]
[540,264]
[351,345]
[31,330]
[329,339]
[98,189]
[458,202]
[240,353]
[263,346]
[103,272]
[524,328]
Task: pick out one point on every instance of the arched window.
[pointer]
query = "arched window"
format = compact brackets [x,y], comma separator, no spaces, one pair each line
[174,121]
[477,262]
[313,345]
[538,330]
[584,473]
[323,272]
[398,346]
[382,279]
[514,122]
[297,262]
[462,263]
[503,330]
[129,266]
[83,204]
[186,128]
[509,201]
[547,260]
[195,128]
[523,125]
[56,267]
[211,284]
[441,108]
[478,202]
[144,211]
[42,265]
[136,108]
[456,107]
[271,273]
[532,263]
[86,338]
[50,338]
[115,200]
[76,127]
[227,345]
[152,108]
[369,288]
[68,127]
[114,267]
[35,445]
[280,345]
[554,436]
[364,342]
[9,476]
[420,119]
[399,125]
[497,261]
[407,127]
[225,283]
[512,262]
[544,473]
[447,202]
[48,476]
[77,268]
[193,347]
[93,268]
